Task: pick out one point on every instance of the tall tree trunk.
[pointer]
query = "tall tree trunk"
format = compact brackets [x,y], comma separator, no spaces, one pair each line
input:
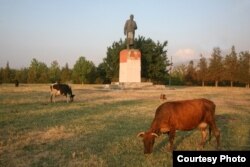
[232,83]
[203,83]
[216,83]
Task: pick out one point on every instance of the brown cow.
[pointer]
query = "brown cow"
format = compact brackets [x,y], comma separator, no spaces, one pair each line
[181,115]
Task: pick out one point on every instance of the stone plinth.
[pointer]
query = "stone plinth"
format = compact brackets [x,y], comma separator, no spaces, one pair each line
[130,66]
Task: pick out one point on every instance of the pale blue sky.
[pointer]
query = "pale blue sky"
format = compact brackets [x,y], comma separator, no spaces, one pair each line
[64,30]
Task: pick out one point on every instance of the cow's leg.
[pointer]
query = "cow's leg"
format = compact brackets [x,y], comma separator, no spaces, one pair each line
[54,98]
[51,97]
[217,136]
[209,139]
[216,133]
[203,128]
[170,146]
[203,137]
[67,98]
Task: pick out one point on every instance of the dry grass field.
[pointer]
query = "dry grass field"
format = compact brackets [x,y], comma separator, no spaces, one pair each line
[99,128]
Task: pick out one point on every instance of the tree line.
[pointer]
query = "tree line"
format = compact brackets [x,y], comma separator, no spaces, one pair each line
[219,70]
[229,70]
[38,72]
[154,63]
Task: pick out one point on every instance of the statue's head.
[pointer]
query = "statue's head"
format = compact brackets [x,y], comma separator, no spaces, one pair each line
[131,17]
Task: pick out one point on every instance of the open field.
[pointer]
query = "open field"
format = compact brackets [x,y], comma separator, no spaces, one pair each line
[99,128]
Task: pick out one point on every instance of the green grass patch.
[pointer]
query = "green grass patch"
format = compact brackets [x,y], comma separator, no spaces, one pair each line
[100,127]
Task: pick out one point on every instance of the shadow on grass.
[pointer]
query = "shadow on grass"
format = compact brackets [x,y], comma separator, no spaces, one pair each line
[235,130]
[179,138]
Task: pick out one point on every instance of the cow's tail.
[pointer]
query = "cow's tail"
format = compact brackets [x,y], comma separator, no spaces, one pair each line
[212,124]
[212,109]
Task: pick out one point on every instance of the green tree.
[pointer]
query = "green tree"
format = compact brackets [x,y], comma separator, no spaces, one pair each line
[102,75]
[178,75]
[202,71]
[111,62]
[190,76]
[54,72]
[32,74]
[216,66]
[230,66]
[154,60]
[243,71]
[146,47]
[1,75]
[38,72]
[66,73]
[22,75]
[42,73]
[6,74]
[84,71]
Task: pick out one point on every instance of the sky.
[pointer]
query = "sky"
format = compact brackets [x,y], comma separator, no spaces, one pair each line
[64,30]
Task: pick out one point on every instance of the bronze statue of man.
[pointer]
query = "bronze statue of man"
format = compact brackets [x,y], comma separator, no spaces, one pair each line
[129,30]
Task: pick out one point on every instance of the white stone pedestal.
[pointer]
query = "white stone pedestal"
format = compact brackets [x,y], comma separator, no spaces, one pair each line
[130,66]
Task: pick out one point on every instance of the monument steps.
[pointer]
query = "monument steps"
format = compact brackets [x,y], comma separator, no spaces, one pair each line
[134,85]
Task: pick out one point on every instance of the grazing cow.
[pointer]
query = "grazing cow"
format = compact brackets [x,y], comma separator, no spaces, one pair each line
[181,115]
[61,89]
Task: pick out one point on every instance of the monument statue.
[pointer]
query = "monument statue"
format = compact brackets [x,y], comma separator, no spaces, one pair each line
[129,30]
[130,58]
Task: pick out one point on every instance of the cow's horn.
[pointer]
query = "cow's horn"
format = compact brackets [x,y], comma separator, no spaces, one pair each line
[140,134]
[154,134]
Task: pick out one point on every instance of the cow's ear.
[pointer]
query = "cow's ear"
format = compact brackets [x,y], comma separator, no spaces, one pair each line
[141,134]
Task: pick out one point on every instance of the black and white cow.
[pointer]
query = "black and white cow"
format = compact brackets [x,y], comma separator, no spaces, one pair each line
[57,89]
